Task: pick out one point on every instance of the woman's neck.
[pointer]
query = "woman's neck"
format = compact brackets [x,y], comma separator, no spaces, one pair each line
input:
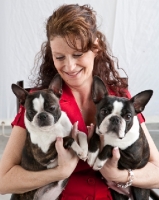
[85,103]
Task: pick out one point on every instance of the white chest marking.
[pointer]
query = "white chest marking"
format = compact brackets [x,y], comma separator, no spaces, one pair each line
[38,103]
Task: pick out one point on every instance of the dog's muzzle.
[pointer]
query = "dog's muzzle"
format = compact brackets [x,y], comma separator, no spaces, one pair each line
[115,124]
[115,120]
[43,119]
[42,116]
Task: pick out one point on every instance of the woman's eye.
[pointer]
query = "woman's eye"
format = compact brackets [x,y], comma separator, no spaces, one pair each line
[60,58]
[77,55]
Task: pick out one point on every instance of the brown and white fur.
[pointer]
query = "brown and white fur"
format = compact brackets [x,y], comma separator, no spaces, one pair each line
[44,122]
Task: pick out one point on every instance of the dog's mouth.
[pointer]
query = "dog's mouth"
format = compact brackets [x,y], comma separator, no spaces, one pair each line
[43,123]
[116,130]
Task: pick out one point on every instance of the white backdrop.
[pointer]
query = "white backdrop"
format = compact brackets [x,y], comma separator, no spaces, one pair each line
[131,28]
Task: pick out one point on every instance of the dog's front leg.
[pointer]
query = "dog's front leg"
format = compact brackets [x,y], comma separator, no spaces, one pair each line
[71,143]
[93,149]
[102,157]
[82,138]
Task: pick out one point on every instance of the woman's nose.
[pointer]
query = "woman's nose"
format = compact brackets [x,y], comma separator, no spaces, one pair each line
[70,64]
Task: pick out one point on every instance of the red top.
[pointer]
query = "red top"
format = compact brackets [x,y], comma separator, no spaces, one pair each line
[84,183]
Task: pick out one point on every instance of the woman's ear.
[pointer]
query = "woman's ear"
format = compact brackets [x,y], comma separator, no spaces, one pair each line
[95,50]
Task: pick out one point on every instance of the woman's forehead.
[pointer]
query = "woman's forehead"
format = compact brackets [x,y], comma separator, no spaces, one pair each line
[59,42]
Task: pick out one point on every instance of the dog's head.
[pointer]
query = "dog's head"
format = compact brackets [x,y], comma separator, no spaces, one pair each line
[42,107]
[115,114]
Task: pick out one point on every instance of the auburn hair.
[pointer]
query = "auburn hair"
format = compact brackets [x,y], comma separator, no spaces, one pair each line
[78,22]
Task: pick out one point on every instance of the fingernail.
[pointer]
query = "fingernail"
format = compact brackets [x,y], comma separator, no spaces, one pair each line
[116,148]
[58,138]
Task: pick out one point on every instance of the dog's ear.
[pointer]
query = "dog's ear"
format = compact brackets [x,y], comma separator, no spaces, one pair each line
[99,90]
[20,93]
[56,85]
[140,100]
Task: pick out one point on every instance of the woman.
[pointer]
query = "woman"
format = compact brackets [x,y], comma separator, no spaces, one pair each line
[77,50]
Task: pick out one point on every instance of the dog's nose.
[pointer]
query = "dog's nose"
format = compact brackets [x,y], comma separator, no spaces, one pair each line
[115,119]
[42,116]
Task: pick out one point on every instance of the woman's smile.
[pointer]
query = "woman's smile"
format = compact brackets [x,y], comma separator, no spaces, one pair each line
[73,74]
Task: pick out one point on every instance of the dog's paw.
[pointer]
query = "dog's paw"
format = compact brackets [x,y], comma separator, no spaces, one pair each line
[91,158]
[98,164]
[82,156]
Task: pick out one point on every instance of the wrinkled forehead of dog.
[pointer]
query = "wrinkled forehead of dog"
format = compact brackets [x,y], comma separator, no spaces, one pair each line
[45,97]
[111,102]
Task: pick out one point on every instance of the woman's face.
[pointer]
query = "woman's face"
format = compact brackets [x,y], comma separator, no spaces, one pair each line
[74,67]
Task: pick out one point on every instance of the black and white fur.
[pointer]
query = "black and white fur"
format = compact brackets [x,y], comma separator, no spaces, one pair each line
[117,124]
[44,122]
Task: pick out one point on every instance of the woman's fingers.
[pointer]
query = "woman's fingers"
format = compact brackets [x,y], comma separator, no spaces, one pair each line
[116,155]
[110,170]
[61,151]
[90,130]
[59,145]
[67,159]
[74,130]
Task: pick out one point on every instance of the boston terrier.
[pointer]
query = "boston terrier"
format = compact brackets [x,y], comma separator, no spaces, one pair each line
[44,122]
[117,125]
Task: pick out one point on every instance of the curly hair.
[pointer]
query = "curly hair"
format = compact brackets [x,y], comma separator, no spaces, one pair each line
[78,22]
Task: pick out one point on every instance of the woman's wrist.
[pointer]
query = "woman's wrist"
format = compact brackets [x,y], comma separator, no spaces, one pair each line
[129,180]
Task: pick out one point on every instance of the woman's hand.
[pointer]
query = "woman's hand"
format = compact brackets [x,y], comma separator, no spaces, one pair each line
[67,159]
[110,170]
[90,131]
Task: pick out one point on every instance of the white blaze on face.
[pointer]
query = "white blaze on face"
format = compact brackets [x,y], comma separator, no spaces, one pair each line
[117,108]
[38,104]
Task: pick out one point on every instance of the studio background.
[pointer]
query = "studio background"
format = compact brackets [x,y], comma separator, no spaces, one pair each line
[131,28]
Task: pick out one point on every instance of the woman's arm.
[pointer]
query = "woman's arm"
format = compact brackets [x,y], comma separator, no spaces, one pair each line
[15,179]
[147,177]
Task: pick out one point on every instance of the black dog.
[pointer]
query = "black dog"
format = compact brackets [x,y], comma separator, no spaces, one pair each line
[116,120]
[45,122]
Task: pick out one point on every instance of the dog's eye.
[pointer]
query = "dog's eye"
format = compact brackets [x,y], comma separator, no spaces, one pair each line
[104,112]
[52,108]
[31,112]
[128,116]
